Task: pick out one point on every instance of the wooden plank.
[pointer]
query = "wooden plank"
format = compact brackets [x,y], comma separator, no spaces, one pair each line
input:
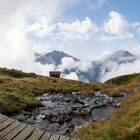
[14,132]
[54,137]
[46,136]
[25,133]
[36,135]
[64,138]
[3,119]
[6,123]
[9,129]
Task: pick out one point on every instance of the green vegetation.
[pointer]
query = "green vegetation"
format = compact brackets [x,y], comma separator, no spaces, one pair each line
[27,86]
[16,73]
[126,79]
[124,124]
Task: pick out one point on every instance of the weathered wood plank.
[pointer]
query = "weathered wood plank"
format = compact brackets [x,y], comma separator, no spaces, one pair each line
[54,137]
[14,132]
[64,138]
[9,129]
[36,135]
[3,118]
[46,136]
[25,133]
[6,123]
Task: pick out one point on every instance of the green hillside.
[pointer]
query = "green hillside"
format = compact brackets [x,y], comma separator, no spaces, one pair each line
[18,91]
[124,124]
[26,86]
[126,79]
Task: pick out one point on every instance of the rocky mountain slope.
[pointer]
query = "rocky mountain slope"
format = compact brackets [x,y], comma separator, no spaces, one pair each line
[53,57]
[95,71]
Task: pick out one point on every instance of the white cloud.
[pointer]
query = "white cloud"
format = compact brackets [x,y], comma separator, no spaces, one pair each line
[41,28]
[15,46]
[45,8]
[84,65]
[43,48]
[107,37]
[121,69]
[68,63]
[103,55]
[77,30]
[117,27]
[72,76]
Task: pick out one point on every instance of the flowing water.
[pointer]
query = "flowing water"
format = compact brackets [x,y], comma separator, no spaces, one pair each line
[64,113]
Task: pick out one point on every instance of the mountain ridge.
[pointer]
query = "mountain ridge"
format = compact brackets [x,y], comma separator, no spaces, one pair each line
[92,73]
[53,57]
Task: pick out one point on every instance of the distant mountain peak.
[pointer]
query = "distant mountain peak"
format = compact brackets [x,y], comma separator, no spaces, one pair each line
[123,53]
[53,57]
[122,56]
[97,69]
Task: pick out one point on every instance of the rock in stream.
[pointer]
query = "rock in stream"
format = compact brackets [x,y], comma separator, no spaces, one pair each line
[63,113]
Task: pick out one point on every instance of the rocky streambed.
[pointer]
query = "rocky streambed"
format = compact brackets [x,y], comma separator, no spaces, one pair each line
[65,113]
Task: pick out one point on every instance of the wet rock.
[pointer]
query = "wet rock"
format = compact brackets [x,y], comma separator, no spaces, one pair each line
[110,100]
[41,117]
[55,125]
[48,104]
[65,131]
[76,99]
[98,94]
[74,93]
[61,113]
[118,104]
[79,112]
[125,94]
[27,113]
[67,99]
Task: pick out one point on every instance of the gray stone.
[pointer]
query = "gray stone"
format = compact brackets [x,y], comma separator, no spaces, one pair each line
[74,93]
[54,125]
[61,113]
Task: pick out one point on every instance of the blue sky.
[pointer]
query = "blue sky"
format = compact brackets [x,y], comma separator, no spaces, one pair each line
[128,8]
[91,48]
[127,13]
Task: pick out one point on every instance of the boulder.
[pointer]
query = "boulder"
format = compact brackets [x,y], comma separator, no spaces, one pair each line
[76,99]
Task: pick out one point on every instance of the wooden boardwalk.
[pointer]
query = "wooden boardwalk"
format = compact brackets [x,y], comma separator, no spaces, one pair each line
[11,129]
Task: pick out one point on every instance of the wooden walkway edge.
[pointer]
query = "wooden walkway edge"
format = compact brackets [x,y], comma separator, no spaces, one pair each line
[11,129]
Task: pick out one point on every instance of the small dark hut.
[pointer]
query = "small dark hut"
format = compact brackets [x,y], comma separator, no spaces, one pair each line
[55,74]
